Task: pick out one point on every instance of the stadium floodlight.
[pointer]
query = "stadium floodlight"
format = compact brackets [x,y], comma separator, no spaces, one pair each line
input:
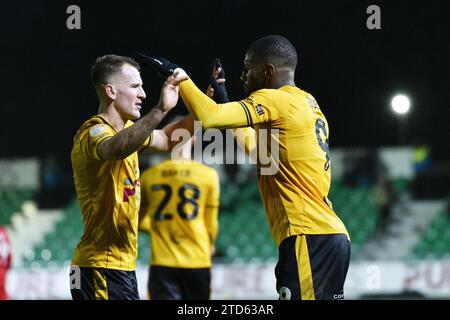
[400,104]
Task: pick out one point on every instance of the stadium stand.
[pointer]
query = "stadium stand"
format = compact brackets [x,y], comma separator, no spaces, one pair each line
[435,241]
[11,200]
[244,235]
[58,245]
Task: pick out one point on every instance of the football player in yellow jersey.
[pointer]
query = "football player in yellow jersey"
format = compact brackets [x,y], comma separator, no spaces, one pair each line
[314,246]
[179,208]
[106,175]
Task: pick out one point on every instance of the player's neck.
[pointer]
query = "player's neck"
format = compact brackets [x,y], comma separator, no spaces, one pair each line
[114,118]
[280,84]
[284,78]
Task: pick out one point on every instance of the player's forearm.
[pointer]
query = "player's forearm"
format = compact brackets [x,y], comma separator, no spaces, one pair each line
[186,124]
[213,235]
[212,223]
[166,138]
[131,139]
[211,114]
[160,142]
[144,228]
[144,220]
[198,103]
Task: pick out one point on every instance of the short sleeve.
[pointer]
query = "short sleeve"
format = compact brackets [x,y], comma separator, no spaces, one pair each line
[91,138]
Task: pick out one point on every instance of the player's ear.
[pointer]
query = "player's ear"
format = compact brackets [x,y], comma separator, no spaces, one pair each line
[110,91]
[269,70]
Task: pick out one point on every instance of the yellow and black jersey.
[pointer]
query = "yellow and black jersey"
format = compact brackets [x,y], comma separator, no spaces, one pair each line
[180,200]
[295,194]
[109,195]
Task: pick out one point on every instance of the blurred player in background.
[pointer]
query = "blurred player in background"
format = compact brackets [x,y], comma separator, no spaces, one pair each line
[5,261]
[106,174]
[314,246]
[179,209]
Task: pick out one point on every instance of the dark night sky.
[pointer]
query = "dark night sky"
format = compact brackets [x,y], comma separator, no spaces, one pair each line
[352,71]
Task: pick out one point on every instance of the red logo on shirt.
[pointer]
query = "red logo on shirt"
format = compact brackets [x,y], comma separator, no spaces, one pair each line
[129,189]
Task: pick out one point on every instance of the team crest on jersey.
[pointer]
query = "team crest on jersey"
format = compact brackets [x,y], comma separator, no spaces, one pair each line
[259,109]
[97,130]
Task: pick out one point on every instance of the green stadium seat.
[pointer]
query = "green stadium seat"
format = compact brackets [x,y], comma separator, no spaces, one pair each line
[243,231]
[435,241]
[245,208]
[11,200]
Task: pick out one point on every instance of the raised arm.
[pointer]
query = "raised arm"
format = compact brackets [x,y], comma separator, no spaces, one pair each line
[217,91]
[132,138]
[212,114]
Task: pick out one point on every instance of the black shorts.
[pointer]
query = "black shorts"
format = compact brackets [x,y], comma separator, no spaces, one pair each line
[102,284]
[166,283]
[313,267]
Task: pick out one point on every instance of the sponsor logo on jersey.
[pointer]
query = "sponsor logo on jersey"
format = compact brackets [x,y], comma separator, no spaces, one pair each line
[259,109]
[97,130]
[131,189]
